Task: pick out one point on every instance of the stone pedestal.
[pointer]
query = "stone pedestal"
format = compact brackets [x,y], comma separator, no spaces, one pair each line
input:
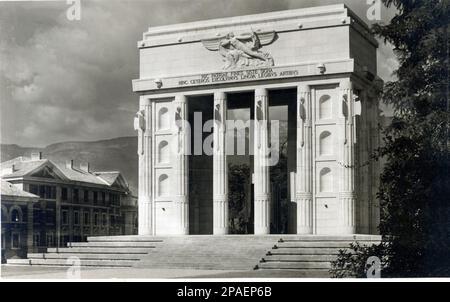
[261,163]
[220,168]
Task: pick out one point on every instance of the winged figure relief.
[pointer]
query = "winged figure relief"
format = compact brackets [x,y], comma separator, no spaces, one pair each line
[242,50]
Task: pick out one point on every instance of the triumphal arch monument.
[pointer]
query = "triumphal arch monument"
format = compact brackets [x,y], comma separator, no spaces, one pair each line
[319,64]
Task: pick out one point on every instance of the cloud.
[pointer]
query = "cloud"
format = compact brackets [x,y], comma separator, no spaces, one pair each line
[71,80]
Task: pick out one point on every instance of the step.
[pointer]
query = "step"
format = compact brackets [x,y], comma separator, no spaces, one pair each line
[97,262]
[102,250]
[294,265]
[294,258]
[86,256]
[317,244]
[112,244]
[135,238]
[350,238]
[304,251]
[18,261]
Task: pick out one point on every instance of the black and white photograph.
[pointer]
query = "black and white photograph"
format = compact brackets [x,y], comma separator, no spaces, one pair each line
[225,140]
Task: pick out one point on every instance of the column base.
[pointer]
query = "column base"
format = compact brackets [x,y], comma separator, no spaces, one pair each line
[301,230]
[348,230]
[220,231]
[262,230]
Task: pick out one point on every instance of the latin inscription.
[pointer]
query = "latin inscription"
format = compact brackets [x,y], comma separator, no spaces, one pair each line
[241,75]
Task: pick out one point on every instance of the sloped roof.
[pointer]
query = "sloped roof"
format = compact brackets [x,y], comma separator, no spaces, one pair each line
[26,167]
[22,166]
[109,177]
[8,189]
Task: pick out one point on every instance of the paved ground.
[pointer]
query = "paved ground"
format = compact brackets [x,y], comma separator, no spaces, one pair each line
[38,272]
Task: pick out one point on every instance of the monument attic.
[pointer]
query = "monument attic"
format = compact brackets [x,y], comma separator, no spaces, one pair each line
[320,62]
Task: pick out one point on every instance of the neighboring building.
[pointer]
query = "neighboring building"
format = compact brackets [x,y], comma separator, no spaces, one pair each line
[16,220]
[319,62]
[73,202]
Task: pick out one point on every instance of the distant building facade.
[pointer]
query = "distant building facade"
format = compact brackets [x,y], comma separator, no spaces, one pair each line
[67,202]
[16,220]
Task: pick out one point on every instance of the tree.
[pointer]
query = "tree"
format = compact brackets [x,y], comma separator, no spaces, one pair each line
[415,183]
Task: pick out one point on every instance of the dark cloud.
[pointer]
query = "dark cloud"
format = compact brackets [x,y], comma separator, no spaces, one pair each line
[71,80]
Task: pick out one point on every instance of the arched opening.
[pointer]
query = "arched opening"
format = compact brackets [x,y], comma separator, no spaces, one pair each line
[16,214]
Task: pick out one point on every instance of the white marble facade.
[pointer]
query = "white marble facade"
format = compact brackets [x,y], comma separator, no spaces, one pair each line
[325,54]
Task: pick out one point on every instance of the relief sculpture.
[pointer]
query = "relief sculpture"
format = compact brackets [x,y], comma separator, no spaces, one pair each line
[243,50]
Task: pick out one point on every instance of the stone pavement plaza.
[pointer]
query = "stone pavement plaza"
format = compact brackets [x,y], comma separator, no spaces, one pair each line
[45,272]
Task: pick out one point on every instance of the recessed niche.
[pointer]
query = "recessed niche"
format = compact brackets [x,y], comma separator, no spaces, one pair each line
[325,143]
[325,107]
[163,118]
[163,185]
[163,152]
[326,180]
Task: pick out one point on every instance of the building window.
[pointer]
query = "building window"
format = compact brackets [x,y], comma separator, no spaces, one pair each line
[50,240]
[16,216]
[86,196]
[15,241]
[64,193]
[65,217]
[3,241]
[112,220]
[47,192]
[76,196]
[104,219]
[50,216]
[96,219]
[37,239]
[4,214]
[86,218]
[76,218]
[34,189]
[95,197]
[104,197]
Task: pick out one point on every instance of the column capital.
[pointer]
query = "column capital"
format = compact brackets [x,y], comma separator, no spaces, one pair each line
[303,88]
[220,95]
[261,92]
[346,84]
[180,98]
[144,100]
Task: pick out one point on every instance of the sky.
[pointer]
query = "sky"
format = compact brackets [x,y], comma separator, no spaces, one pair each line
[63,80]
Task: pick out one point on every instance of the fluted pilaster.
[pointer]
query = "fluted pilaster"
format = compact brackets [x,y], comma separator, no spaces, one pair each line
[304,195]
[347,194]
[181,171]
[261,163]
[143,124]
[220,168]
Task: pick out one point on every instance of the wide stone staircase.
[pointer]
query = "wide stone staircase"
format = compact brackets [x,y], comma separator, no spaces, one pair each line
[233,252]
[110,251]
[310,252]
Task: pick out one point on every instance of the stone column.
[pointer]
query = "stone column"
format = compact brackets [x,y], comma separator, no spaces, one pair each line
[220,168]
[143,124]
[347,194]
[181,162]
[304,195]
[261,163]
